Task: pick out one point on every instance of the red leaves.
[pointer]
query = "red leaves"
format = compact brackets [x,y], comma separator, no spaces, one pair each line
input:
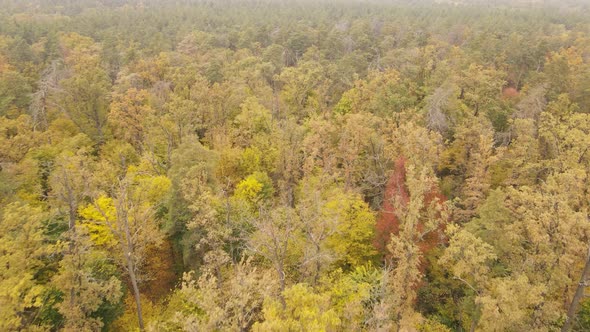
[395,192]
[397,196]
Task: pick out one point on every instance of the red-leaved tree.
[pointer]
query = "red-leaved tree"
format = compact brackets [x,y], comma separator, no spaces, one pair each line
[397,194]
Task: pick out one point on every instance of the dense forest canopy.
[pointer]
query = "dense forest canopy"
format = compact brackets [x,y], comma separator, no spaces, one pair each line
[294,165]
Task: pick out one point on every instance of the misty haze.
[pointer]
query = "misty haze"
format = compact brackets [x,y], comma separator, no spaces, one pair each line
[295,165]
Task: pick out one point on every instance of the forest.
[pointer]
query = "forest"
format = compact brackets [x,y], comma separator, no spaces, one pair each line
[295,165]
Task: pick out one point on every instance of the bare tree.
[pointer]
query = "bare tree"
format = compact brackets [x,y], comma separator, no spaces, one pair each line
[276,232]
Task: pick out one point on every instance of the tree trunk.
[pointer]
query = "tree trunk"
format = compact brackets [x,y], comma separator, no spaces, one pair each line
[281,274]
[128,252]
[474,321]
[72,211]
[133,278]
[571,312]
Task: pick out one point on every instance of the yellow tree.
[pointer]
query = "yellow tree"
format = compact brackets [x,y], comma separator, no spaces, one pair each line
[84,95]
[473,149]
[337,226]
[83,291]
[355,150]
[21,247]
[128,114]
[232,303]
[468,258]
[302,310]
[129,220]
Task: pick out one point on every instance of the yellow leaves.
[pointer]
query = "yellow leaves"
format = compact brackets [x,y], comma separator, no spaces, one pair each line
[255,189]
[467,255]
[152,189]
[102,210]
[481,87]
[250,160]
[16,138]
[18,294]
[100,216]
[254,116]
[152,70]
[249,189]
[304,310]
[419,145]
[511,305]
[80,51]
[553,218]
[4,65]
[21,248]
[86,283]
[128,320]
[345,105]
[128,115]
[300,83]
[230,303]
[253,121]
[540,236]
[73,41]
[349,294]
[97,218]
[564,135]
[430,325]
[355,231]
[383,79]
[571,55]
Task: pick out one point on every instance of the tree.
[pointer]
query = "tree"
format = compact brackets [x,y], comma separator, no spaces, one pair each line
[256,189]
[276,236]
[417,218]
[299,87]
[318,224]
[352,241]
[70,181]
[17,138]
[578,296]
[537,294]
[233,303]
[43,100]
[303,310]
[476,137]
[288,136]
[468,257]
[129,218]
[253,120]
[356,139]
[14,92]
[84,290]
[480,88]
[128,114]
[84,95]
[22,246]
[397,196]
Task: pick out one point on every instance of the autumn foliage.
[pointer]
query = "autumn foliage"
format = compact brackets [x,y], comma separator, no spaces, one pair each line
[263,165]
[397,194]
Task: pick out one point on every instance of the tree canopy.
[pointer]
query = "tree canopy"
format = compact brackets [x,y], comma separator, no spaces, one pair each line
[294,165]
